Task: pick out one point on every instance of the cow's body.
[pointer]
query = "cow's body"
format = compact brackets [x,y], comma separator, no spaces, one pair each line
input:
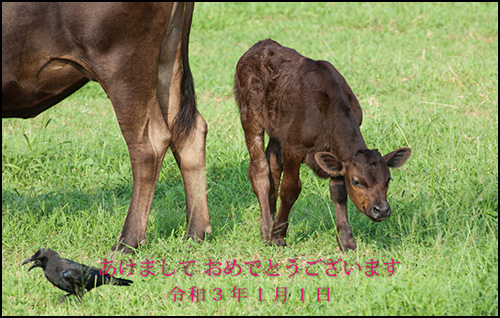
[138,52]
[311,116]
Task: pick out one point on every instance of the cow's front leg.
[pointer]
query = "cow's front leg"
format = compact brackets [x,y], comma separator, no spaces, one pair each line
[290,191]
[190,157]
[338,194]
[147,138]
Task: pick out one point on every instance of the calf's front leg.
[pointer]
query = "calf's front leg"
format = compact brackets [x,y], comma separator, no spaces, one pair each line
[338,194]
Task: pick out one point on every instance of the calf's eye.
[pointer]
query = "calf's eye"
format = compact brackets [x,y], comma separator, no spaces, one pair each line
[387,183]
[356,183]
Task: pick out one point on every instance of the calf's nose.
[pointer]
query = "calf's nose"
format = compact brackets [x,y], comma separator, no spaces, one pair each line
[382,211]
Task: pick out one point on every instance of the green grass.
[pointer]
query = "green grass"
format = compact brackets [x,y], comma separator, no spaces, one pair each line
[426,76]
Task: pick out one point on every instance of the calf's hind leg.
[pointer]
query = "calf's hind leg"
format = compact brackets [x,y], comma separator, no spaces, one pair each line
[290,191]
[258,172]
[275,161]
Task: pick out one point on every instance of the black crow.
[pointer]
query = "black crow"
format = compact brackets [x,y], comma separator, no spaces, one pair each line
[71,276]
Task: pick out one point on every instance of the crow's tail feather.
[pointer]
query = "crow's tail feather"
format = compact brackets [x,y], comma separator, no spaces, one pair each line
[122,282]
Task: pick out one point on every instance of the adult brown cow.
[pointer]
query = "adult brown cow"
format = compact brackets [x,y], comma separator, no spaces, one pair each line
[138,52]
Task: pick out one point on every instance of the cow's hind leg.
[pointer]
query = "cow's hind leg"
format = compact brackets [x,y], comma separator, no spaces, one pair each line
[147,137]
[189,153]
[177,102]
[190,157]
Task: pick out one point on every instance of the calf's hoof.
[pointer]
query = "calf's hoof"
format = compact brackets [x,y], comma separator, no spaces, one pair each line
[347,246]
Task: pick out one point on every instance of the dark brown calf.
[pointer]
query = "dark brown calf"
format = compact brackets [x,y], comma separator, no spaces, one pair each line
[138,52]
[311,116]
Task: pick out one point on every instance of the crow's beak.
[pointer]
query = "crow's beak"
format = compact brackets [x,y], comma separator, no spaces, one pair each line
[28,260]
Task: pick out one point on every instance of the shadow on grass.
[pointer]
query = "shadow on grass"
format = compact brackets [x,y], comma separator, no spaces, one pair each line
[168,211]
[233,206]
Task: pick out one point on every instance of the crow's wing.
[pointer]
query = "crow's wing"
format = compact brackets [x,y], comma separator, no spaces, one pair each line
[75,277]
[107,278]
[90,277]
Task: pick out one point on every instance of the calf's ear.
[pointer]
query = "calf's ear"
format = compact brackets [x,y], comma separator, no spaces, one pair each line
[329,163]
[397,158]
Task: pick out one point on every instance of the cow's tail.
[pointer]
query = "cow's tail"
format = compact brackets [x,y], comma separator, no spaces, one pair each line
[186,117]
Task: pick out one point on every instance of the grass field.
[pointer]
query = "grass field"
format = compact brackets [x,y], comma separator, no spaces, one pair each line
[426,76]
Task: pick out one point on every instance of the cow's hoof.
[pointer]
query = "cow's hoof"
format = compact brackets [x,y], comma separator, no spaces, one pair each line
[199,235]
[121,248]
[278,241]
[266,238]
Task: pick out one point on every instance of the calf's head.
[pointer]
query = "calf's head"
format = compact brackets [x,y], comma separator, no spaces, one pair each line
[366,173]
